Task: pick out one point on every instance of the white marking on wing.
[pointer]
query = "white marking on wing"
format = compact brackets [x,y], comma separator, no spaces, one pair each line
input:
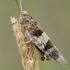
[38,42]
[45,36]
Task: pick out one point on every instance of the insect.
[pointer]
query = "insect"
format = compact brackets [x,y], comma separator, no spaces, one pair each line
[40,39]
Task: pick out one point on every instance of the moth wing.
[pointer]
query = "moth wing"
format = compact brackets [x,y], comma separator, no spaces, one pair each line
[53,51]
[44,44]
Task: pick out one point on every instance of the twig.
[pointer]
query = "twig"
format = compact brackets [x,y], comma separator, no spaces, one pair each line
[29,62]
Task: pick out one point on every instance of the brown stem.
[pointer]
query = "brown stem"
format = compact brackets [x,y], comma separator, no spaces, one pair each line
[29,62]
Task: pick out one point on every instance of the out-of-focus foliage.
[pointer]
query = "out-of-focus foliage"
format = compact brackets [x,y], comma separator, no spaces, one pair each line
[54,18]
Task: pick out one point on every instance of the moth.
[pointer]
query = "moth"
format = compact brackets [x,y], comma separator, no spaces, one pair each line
[40,39]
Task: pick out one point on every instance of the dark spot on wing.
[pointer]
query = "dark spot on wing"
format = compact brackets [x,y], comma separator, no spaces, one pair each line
[38,33]
[48,45]
[41,55]
[55,55]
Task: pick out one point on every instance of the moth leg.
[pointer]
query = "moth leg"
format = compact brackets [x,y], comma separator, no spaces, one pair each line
[28,42]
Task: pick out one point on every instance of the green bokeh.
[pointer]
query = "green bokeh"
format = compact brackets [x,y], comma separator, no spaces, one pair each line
[54,18]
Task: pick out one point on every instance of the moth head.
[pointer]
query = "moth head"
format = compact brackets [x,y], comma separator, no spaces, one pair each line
[24,18]
[24,13]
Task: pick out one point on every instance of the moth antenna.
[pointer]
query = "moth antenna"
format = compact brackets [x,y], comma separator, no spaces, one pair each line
[20,7]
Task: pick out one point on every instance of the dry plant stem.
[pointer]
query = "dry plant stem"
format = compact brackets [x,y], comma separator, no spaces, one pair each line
[29,62]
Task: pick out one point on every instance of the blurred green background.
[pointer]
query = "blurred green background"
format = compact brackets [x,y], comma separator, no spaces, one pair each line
[54,18]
